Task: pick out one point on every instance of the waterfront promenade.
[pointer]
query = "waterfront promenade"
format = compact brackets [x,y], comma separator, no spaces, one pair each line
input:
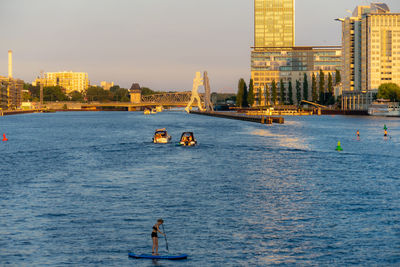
[91,184]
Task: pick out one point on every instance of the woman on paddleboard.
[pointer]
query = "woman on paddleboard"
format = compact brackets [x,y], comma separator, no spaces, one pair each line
[154,236]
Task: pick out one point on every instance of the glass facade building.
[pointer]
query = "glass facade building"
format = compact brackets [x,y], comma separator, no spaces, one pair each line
[274,23]
[275,57]
[291,63]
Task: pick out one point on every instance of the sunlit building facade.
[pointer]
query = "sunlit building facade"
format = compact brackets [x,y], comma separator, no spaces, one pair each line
[275,57]
[106,85]
[10,93]
[274,23]
[371,53]
[70,81]
[290,64]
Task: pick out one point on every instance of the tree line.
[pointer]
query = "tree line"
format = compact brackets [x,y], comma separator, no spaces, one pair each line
[321,91]
[93,93]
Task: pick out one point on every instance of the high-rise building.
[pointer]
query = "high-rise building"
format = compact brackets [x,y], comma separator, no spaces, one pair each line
[371,53]
[274,23]
[275,57]
[70,81]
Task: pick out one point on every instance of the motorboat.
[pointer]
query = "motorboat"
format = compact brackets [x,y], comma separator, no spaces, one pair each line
[161,136]
[187,139]
[153,111]
[383,107]
[146,112]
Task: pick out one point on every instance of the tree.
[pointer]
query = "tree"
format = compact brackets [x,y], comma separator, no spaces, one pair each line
[54,93]
[321,86]
[114,88]
[95,93]
[240,93]
[321,82]
[282,92]
[338,77]
[305,87]
[245,94]
[26,96]
[389,91]
[266,95]
[330,86]
[250,96]
[314,88]
[298,92]
[76,96]
[121,95]
[33,90]
[290,93]
[148,91]
[274,92]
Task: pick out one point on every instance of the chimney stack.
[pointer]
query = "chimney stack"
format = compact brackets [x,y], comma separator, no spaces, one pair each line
[10,64]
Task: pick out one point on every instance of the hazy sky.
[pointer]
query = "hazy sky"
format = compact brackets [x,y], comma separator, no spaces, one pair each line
[158,43]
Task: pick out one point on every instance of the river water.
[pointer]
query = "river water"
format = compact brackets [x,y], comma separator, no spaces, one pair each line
[85,188]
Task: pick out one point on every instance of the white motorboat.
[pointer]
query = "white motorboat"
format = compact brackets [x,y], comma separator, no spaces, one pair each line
[384,108]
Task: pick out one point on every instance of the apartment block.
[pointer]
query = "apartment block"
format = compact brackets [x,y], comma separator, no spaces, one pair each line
[70,81]
[371,53]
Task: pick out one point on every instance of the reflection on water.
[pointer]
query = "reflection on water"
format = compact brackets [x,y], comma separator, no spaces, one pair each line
[282,140]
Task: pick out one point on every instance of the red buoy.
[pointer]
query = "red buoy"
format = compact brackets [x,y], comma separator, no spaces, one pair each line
[4,138]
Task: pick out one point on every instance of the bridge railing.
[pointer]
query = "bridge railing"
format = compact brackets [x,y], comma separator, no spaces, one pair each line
[314,104]
[169,98]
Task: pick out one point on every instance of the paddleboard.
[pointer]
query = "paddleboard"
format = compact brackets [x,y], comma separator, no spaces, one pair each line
[158,257]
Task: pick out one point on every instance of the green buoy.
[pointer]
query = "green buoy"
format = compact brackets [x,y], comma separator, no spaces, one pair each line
[339,147]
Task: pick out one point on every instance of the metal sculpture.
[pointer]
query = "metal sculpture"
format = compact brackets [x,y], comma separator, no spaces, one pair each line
[197,81]
[207,98]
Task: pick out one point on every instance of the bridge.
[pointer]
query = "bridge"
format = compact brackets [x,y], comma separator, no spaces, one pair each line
[313,104]
[139,101]
[179,99]
[168,99]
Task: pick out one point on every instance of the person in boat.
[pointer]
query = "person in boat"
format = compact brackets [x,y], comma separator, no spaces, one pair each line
[184,139]
[358,134]
[385,133]
[154,236]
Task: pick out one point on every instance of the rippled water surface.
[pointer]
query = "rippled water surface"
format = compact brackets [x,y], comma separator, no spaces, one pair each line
[85,188]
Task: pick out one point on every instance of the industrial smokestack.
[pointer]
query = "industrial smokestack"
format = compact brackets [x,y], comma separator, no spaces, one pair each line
[10,64]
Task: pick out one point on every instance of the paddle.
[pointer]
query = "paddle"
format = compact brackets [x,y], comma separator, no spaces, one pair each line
[165,235]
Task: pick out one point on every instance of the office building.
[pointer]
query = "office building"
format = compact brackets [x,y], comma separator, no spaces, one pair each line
[275,57]
[68,80]
[371,53]
[274,23]
[290,64]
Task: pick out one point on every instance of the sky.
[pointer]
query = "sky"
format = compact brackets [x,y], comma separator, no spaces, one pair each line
[157,43]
